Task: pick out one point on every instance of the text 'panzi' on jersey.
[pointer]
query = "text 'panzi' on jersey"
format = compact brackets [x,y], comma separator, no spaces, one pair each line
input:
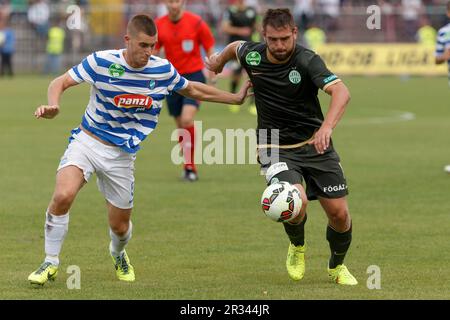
[125,102]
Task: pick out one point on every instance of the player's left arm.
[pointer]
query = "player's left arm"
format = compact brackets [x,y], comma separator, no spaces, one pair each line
[200,91]
[340,96]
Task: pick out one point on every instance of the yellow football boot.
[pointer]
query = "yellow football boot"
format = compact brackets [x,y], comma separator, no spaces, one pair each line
[295,262]
[45,272]
[124,269]
[341,275]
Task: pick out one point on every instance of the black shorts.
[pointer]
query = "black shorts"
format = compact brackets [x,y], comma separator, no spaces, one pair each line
[322,173]
[175,101]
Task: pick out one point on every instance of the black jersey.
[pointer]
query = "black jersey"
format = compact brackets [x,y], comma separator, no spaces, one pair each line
[286,94]
[240,18]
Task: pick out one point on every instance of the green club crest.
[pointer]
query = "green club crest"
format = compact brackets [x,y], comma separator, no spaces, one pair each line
[116,70]
[253,58]
[295,77]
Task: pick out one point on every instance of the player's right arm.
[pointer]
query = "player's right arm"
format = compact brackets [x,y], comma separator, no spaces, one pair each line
[55,89]
[217,61]
[442,53]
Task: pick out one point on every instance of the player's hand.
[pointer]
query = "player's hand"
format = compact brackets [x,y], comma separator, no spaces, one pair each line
[321,140]
[47,112]
[447,54]
[213,63]
[244,92]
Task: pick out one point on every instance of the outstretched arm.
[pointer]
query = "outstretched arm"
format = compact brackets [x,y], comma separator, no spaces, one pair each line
[217,61]
[340,96]
[55,89]
[200,91]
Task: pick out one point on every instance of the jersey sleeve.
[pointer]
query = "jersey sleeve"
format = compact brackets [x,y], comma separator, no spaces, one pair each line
[177,81]
[206,36]
[319,73]
[241,51]
[86,70]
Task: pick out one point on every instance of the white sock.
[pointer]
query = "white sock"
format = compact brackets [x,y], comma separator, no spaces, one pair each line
[117,244]
[55,231]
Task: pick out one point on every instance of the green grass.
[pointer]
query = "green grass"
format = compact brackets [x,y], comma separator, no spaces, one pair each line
[209,240]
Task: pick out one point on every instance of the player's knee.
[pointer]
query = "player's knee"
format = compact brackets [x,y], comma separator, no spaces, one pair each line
[187,122]
[339,216]
[63,199]
[120,229]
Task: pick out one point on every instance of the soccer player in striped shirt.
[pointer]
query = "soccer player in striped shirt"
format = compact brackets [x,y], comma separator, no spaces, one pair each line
[443,44]
[127,90]
[181,34]
[443,52]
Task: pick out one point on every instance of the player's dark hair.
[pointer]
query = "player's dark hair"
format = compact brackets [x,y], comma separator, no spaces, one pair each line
[278,18]
[142,23]
[448,6]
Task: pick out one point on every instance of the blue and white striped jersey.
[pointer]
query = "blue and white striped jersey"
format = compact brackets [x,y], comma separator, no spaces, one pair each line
[125,102]
[443,42]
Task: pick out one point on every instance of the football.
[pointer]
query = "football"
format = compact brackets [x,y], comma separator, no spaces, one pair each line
[281,202]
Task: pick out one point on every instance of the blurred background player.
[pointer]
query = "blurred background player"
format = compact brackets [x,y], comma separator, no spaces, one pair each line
[239,23]
[426,34]
[443,52]
[314,37]
[181,33]
[55,47]
[7,48]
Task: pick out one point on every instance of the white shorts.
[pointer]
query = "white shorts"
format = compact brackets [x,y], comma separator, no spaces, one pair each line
[113,166]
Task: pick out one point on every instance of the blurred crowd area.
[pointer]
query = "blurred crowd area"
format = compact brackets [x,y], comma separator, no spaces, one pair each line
[83,26]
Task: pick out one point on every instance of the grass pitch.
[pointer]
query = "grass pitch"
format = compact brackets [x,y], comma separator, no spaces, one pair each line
[210,240]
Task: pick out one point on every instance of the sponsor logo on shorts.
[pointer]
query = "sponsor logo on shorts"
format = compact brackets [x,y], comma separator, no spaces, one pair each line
[133,101]
[337,188]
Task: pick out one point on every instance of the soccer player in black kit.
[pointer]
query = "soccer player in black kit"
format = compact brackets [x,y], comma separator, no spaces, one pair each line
[239,23]
[294,138]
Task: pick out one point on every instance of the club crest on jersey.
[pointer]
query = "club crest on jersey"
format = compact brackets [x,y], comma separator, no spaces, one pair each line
[295,77]
[129,101]
[116,70]
[253,58]
[152,84]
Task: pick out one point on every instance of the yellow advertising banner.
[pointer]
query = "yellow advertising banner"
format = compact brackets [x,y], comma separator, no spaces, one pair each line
[381,59]
[107,17]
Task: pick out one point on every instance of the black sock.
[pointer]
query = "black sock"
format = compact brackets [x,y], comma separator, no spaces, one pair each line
[233,86]
[296,232]
[339,244]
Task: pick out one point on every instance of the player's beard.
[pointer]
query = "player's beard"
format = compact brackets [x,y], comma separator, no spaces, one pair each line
[281,55]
